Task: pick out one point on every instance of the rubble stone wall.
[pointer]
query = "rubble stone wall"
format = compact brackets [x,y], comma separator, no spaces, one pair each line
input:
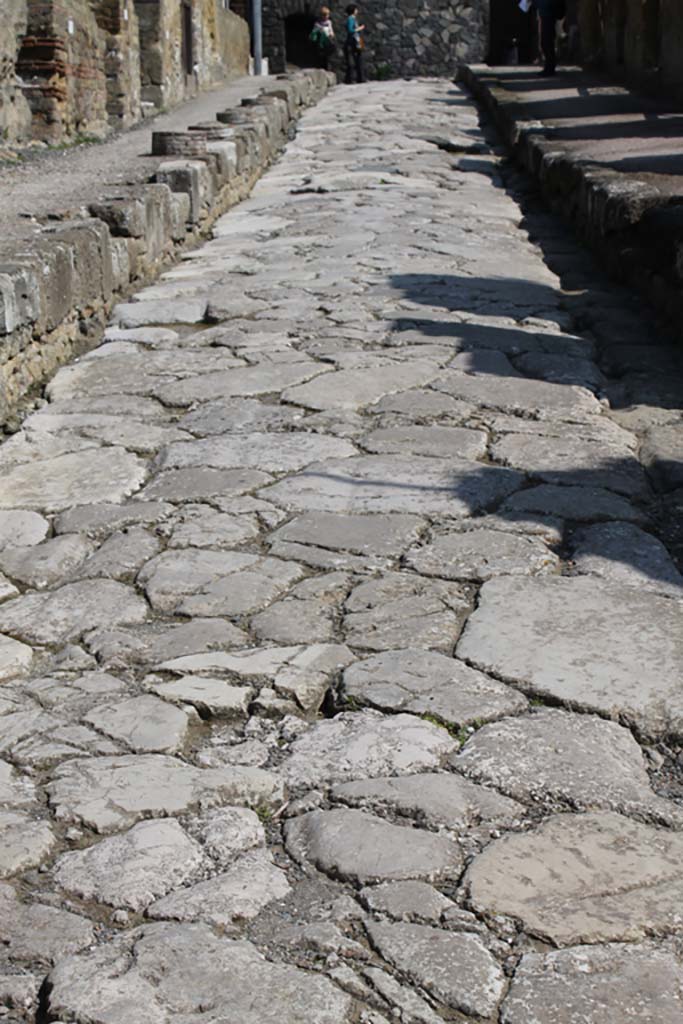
[55,293]
[404,38]
[15,113]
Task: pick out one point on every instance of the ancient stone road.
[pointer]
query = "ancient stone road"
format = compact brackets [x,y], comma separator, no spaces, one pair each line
[342,662]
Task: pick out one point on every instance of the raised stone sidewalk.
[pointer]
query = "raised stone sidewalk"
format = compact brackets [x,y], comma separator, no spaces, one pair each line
[341,637]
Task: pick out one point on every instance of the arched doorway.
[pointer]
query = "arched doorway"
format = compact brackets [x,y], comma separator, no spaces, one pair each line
[299,50]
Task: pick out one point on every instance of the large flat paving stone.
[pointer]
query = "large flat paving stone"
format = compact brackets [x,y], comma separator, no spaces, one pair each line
[22,529]
[362,848]
[437,441]
[133,869]
[75,478]
[43,565]
[599,985]
[581,504]
[110,793]
[24,842]
[15,658]
[437,800]
[151,975]
[273,453]
[395,483]
[429,683]
[245,382]
[482,554]
[200,484]
[554,757]
[614,650]
[456,970]
[67,613]
[534,399]
[364,745]
[145,724]
[624,554]
[398,608]
[584,878]
[353,389]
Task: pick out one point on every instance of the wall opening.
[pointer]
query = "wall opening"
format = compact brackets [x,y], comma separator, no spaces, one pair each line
[299,49]
[512,34]
[187,47]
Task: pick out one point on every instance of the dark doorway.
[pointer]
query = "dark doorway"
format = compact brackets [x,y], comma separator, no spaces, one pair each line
[300,51]
[187,45]
[513,34]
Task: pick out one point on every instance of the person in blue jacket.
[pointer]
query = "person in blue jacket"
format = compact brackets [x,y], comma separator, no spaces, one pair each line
[549,12]
[353,45]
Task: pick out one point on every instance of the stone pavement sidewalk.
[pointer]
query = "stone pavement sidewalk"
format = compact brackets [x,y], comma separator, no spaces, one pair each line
[609,159]
[340,642]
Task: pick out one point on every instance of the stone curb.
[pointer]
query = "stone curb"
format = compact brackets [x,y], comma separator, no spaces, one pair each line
[636,229]
[56,292]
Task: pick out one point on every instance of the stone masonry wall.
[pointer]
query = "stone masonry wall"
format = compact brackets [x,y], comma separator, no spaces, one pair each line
[15,113]
[118,22]
[405,38]
[55,293]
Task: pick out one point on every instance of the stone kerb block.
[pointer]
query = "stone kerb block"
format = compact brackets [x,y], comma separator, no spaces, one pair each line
[287,94]
[224,153]
[191,177]
[158,220]
[124,215]
[90,244]
[19,297]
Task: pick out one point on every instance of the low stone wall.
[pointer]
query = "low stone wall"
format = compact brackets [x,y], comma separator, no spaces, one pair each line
[635,228]
[55,294]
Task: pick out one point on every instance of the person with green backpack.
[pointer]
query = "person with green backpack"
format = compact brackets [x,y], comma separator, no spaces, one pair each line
[322,37]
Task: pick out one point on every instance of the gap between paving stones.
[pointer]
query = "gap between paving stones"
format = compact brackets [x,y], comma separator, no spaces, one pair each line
[285,599]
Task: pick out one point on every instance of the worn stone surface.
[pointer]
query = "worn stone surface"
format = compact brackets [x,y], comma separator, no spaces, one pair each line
[407,901]
[211,697]
[34,931]
[639,983]
[152,973]
[15,658]
[359,847]
[95,475]
[24,842]
[438,801]
[145,724]
[599,551]
[66,613]
[365,745]
[133,869]
[429,683]
[559,758]
[481,555]
[602,636]
[584,878]
[457,970]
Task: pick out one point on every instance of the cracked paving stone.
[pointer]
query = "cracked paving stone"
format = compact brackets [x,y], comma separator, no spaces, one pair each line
[66,613]
[407,901]
[602,637]
[151,976]
[437,801]
[229,899]
[580,504]
[133,869]
[239,382]
[213,698]
[150,644]
[15,658]
[145,724]
[361,848]
[108,793]
[99,521]
[272,453]
[400,608]
[661,454]
[556,757]
[421,403]
[24,842]
[199,526]
[456,970]
[440,442]
[599,551]
[395,483]
[429,683]
[346,541]
[600,984]
[584,878]
[52,485]
[121,555]
[32,931]
[352,389]
[361,745]
[15,790]
[480,554]
[204,582]
[294,621]
[43,565]
[228,832]
[411,1007]
[238,414]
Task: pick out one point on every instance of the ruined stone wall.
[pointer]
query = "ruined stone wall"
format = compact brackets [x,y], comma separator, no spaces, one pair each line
[119,24]
[404,38]
[15,113]
[639,40]
[61,62]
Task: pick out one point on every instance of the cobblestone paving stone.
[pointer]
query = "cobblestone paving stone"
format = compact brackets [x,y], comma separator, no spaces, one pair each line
[341,619]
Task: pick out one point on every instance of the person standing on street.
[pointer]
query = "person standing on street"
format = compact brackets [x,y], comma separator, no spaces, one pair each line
[323,37]
[353,46]
[549,13]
